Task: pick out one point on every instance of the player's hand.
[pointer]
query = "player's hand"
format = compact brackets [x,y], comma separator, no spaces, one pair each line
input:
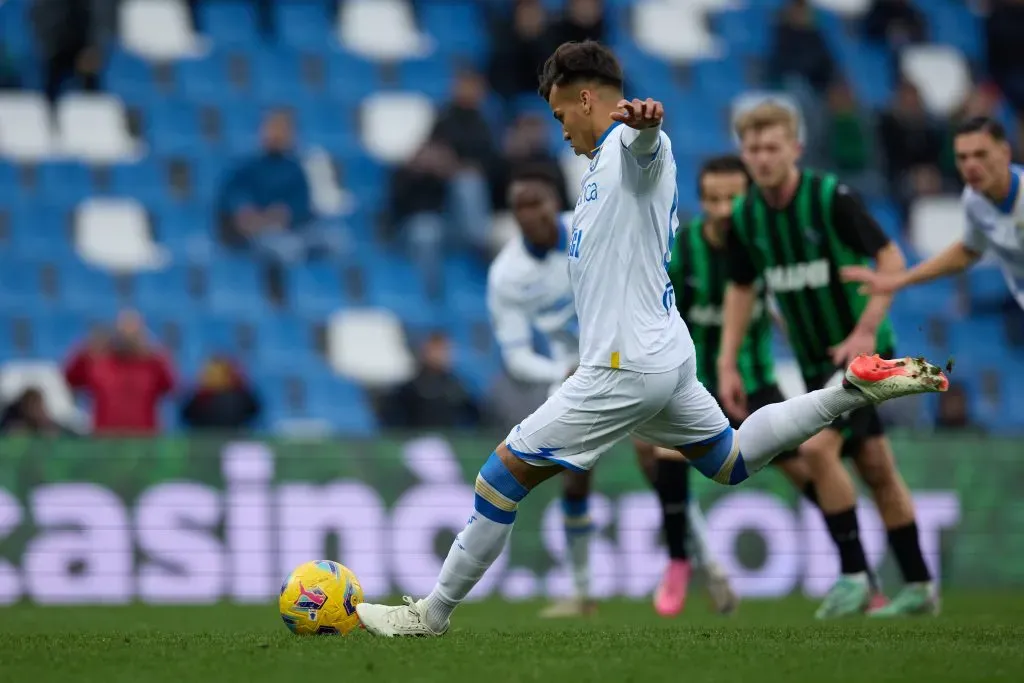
[875,283]
[731,393]
[859,342]
[640,114]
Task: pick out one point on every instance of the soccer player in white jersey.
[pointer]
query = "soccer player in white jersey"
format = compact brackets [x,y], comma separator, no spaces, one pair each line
[994,206]
[637,373]
[528,289]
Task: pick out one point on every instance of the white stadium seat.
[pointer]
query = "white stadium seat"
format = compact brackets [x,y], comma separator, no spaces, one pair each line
[113,234]
[158,29]
[845,8]
[673,31]
[395,125]
[26,131]
[749,100]
[935,223]
[368,346]
[383,30]
[94,128]
[17,376]
[940,72]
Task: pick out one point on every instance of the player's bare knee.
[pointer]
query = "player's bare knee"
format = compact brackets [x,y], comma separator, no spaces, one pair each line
[876,465]
[821,453]
[526,474]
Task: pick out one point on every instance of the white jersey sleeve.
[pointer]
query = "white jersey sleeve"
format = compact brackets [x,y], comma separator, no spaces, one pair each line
[643,157]
[511,321]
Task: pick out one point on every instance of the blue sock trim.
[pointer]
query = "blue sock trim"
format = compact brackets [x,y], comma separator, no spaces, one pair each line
[576,507]
[497,475]
[713,460]
[491,512]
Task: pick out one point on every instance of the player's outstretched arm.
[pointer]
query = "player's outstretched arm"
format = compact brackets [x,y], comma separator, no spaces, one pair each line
[643,140]
[737,310]
[955,258]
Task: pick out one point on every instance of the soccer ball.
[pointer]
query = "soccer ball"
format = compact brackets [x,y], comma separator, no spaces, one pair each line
[320,598]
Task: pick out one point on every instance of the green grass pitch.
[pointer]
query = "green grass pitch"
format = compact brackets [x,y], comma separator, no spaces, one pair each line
[979,637]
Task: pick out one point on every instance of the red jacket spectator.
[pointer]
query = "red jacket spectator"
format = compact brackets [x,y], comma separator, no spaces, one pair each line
[126,379]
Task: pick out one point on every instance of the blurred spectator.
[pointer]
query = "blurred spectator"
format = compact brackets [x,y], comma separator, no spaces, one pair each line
[896,23]
[913,144]
[419,203]
[799,49]
[28,415]
[268,205]
[72,35]
[520,44]
[526,143]
[849,133]
[223,399]
[581,20]
[125,376]
[435,398]
[1004,31]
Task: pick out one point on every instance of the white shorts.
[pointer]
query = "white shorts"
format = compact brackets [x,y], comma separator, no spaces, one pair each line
[598,407]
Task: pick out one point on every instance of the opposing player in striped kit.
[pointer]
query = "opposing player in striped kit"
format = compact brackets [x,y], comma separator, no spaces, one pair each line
[796,229]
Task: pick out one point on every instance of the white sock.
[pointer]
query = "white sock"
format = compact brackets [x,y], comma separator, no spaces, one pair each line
[474,550]
[778,427]
[699,536]
[479,544]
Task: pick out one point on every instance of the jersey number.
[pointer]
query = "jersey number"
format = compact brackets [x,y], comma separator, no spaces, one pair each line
[574,243]
[668,297]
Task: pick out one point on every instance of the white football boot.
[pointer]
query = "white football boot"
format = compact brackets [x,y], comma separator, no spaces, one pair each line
[880,379]
[401,621]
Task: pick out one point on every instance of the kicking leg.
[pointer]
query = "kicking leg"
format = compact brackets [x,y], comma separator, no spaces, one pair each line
[877,468]
[579,529]
[502,483]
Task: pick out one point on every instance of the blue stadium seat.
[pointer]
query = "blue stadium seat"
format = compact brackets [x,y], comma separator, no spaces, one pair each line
[350,79]
[229,23]
[56,334]
[64,182]
[282,337]
[129,76]
[987,286]
[40,231]
[314,290]
[163,291]
[19,286]
[236,287]
[144,180]
[459,27]
[172,127]
[433,77]
[86,290]
[303,25]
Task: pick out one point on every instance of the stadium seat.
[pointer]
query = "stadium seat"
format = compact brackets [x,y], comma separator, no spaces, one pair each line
[329,199]
[302,24]
[229,22]
[368,346]
[850,9]
[394,125]
[26,133]
[17,376]
[383,30]
[940,73]
[113,234]
[158,29]
[676,32]
[94,128]
[935,223]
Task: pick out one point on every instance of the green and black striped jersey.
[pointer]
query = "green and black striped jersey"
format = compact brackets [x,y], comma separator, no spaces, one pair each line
[798,250]
[699,275]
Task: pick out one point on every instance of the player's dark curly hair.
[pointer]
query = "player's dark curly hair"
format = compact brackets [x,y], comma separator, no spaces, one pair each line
[579,62]
[726,163]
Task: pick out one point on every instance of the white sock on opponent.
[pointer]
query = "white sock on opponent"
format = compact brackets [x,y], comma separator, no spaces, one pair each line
[699,534]
[479,544]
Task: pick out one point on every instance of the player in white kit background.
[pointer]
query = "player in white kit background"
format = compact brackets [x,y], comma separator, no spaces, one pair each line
[993,206]
[528,289]
[636,373]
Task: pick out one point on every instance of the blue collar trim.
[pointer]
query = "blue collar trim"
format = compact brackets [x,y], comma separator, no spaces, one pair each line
[1006,206]
[605,134]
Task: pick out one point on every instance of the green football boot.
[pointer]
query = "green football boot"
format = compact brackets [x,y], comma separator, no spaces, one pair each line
[850,596]
[916,599]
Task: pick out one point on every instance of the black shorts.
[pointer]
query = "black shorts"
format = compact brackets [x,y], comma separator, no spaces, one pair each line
[758,400]
[856,425]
